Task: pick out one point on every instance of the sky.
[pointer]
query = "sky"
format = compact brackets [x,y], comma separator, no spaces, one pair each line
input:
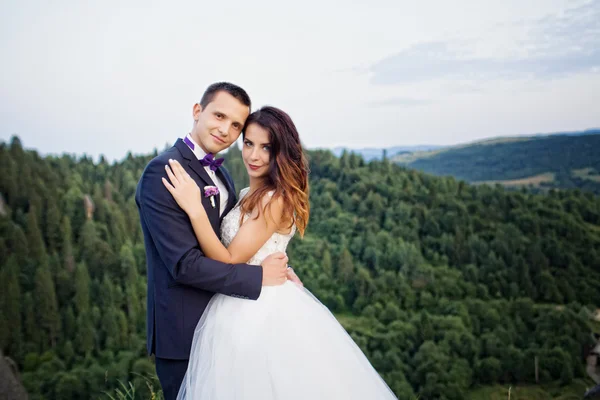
[108,77]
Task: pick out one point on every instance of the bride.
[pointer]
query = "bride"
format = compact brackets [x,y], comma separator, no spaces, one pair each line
[286,345]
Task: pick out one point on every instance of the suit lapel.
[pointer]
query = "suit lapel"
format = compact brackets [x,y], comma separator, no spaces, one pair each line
[191,162]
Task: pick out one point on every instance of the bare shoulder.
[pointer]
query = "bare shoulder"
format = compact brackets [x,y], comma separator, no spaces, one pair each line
[276,210]
[268,198]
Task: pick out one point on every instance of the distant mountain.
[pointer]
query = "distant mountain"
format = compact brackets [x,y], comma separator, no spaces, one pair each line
[565,160]
[591,131]
[376,153]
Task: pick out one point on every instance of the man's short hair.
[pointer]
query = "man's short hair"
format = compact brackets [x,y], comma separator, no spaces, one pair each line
[234,90]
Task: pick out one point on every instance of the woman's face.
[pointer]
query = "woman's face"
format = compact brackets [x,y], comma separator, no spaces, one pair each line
[256,151]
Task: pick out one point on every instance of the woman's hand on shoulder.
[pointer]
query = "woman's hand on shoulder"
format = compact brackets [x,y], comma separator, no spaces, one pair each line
[184,189]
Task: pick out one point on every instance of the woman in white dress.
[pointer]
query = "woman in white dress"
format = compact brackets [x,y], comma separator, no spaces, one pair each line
[286,345]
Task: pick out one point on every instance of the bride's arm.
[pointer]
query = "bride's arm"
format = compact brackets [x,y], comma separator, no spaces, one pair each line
[253,234]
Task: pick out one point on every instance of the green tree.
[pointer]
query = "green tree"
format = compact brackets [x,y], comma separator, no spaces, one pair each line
[67,245]
[129,268]
[82,289]
[326,265]
[110,328]
[425,327]
[87,243]
[86,338]
[345,267]
[68,386]
[69,323]
[489,370]
[52,225]
[31,325]
[11,306]
[35,242]
[47,305]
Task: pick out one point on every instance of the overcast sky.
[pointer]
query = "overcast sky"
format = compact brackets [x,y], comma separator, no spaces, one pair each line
[106,77]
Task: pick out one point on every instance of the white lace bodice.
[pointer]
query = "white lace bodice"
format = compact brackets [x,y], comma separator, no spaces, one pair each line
[231,225]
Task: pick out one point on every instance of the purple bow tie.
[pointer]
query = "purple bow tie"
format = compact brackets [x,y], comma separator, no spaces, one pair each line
[209,160]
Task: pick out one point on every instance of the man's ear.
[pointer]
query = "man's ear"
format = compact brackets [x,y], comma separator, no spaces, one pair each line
[196,111]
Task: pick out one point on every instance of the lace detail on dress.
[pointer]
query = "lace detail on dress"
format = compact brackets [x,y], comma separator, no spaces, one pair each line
[231,225]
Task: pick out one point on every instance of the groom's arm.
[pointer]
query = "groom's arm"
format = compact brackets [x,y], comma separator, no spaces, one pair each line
[178,248]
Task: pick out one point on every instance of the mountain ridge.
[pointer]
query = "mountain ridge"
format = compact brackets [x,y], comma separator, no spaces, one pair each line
[372,153]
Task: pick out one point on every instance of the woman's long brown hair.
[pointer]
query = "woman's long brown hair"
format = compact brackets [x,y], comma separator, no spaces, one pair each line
[288,169]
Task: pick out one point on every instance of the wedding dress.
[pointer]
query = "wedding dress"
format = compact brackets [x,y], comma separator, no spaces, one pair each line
[284,346]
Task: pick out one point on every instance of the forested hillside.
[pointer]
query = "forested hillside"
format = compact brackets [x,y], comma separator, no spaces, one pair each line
[543,162]
[447,287]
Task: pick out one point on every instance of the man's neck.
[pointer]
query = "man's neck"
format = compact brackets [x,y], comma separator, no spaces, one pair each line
[198,142]
[198,146]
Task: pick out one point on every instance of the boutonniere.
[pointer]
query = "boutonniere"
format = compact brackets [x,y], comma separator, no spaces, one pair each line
[211,191]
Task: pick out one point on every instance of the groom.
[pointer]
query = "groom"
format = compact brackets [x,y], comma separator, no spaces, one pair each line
[181,280]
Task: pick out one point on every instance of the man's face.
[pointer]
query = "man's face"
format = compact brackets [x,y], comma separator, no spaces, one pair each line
[220,123]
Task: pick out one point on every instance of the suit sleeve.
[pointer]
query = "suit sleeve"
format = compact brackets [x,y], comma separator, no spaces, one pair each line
[176,243]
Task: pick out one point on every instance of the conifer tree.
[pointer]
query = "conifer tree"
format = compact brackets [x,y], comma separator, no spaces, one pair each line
[18,244]
[345,266]
[35,241]
[326,265]
[67,245]
[87,241]
[118,228]
[85,339]
[11,306]
[110,328]
[131,280]
[46,305]
[123,329]
[8,182]
[69,323]
[31,324]
[52,226]
[425,327]
[82,289]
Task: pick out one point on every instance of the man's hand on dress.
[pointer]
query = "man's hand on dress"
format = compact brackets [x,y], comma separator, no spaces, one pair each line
[275,269]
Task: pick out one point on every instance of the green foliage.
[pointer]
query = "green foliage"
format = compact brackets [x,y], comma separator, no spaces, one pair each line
[10,307]
[47,307]
[553,391]
[574,161]
[445,286]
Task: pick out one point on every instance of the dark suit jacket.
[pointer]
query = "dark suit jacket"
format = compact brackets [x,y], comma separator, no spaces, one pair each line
[181,280]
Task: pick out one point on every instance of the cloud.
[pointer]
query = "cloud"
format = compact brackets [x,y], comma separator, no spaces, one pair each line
[556,45]
[400,102]
[576,28]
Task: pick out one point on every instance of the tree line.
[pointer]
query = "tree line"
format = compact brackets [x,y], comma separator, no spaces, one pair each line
[445,286]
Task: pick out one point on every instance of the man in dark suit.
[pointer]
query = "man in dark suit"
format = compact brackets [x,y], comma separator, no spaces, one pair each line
[181,280]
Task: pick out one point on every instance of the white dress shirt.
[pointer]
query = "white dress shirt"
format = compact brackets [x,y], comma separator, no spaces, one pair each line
[199,153]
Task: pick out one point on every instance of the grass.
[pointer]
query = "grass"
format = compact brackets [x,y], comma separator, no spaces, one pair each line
[586,173]
[535,180]
[128,391]
[553,391]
